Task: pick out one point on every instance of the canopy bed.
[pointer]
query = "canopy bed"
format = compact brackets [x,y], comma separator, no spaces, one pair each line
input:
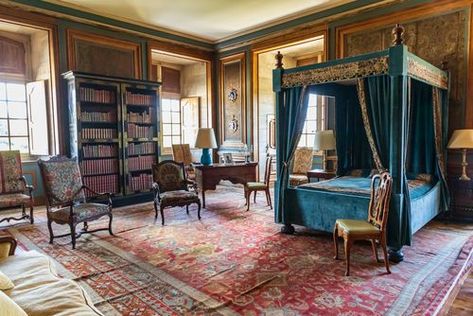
[391,109]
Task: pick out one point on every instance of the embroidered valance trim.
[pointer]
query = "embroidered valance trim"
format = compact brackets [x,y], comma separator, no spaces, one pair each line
[432,76]
[346,71]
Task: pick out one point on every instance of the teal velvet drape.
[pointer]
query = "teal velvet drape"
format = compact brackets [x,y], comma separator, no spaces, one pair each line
[290,113]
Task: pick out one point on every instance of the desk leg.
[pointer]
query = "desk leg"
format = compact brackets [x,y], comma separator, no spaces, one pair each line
[203,198]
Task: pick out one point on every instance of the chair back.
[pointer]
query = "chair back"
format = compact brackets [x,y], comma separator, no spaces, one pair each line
[182,153]
[267,170]
[170,176]
[11,172]
[381,185]
[62,180]
[302,161]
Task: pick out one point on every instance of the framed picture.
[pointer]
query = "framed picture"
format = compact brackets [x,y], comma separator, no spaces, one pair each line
[227,158]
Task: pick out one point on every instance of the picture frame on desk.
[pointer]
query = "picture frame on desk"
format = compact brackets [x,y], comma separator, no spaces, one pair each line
[227,158]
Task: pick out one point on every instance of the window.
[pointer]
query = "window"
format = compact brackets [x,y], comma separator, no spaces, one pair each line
[171,120]
[14,129]
[315,120]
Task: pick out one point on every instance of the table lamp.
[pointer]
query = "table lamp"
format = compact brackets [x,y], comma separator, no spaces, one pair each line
[462,139]
[206,140]
[324,140]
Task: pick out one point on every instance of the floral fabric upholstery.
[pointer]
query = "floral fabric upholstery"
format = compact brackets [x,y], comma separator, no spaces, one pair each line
[255,185]
[177,198]
[10,172]
[169,176]
[298,179]
[62,180]
[82,212]
[302,160]
[14,199]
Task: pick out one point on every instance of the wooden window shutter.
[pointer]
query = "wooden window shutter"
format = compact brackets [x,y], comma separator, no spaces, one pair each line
[12,54]
[171,80]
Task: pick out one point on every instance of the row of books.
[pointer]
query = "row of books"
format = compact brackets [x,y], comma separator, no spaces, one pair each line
[136,131]
[99,117]
[102,184]
[141,182]
[90,167]
[140,163]
[141,148]
[138,99]
[97,151]
[102,133]
[95,95]
[142,117]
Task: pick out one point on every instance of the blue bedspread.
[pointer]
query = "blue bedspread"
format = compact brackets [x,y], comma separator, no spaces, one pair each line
[361,186]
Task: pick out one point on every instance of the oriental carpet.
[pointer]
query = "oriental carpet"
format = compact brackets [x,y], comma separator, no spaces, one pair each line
[236,262]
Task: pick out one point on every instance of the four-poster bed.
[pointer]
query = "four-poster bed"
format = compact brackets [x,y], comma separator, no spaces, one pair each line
[391,109]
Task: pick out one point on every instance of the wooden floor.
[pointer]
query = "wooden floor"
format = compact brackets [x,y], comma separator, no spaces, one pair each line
[463,303]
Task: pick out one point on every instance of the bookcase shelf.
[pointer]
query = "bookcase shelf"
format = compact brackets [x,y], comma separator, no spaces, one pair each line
[114,132]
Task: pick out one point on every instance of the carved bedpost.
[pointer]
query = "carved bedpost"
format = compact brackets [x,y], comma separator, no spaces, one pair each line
[278,58]
[398,35]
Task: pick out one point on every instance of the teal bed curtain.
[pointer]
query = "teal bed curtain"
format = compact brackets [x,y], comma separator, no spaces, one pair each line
[291,113]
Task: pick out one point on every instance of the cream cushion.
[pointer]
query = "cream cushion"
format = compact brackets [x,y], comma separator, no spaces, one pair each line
[39,291]
[9,307]
[5,282]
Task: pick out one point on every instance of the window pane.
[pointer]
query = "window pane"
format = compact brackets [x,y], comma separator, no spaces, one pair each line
[3,109]
[3,91]
[17,110]
[166,117]
[176,139]
[311,126]
[166,129]
[4,145]
[176,117]
[166,105]
[312,113]
[310,140]
[3,128]
[18,128]
[19,143]
[175,104]
[176,129]
[16,92]
[167,141]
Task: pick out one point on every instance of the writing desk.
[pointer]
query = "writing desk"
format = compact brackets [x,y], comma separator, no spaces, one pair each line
[207,177]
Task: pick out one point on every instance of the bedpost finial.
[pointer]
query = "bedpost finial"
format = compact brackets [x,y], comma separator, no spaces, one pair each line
[279,63]
[398,35]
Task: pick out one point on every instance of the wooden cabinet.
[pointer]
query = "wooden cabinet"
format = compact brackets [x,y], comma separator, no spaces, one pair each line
[461,204]
[114,132]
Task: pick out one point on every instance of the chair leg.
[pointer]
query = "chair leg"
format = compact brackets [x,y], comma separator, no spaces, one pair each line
[254,199]
[335,241]
[187,209]
[155,210]
[248,197]
[31,215]
[268,198]
[51,234]
[198,210]
[73,235]
[375,251]
[161,210]
[385,252]
[86,226]
[347,244]
[110,224]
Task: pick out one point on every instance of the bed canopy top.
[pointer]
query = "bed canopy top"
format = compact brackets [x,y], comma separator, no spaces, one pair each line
[389,104]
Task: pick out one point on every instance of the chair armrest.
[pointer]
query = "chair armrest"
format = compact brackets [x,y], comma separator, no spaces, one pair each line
[108,195]
[7,246]
[155,188]
[28,187]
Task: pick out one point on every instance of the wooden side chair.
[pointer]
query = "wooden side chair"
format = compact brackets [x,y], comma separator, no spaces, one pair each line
[374,229]
[66,203]
[171,187]
[260,186]
[302,163]
[14,190]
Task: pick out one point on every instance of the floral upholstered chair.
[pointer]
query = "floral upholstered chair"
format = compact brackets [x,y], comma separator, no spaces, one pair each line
[171,187]
[66,203]
[14,191]
[301,164]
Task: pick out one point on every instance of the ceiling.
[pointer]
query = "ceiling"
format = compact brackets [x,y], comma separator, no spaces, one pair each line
[211,20]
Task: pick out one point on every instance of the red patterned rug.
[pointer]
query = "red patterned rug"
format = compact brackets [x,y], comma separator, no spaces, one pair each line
[236,262]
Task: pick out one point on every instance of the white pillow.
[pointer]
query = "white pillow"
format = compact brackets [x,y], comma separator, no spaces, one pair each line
[5,282]
[9,307]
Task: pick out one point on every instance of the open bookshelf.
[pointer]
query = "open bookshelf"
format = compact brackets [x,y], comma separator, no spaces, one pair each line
[114,131]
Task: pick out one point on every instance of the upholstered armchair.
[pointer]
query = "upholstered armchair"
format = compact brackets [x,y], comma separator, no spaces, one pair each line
[301,164]
[66,203]
[14,191]
[171,188]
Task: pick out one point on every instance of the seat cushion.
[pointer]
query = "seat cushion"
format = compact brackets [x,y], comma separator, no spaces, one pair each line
[14,199]
[298,179]
[39,291]
[256,185]
[82,212]
[5,282]
[9,307]
[179,197]
[352,226]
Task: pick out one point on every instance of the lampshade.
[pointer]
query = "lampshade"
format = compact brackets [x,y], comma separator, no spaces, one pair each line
[206,138]
[461,139]
[324,140]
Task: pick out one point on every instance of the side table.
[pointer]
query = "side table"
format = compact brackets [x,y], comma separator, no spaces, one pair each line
[321,174]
